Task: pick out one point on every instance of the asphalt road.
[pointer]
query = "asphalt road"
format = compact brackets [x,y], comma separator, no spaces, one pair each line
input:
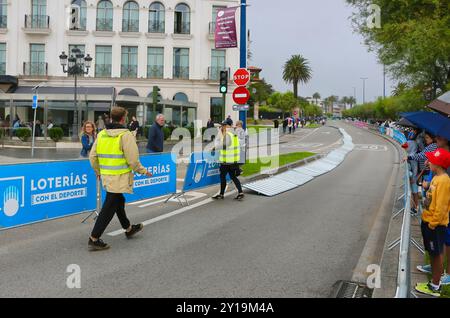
[297,244]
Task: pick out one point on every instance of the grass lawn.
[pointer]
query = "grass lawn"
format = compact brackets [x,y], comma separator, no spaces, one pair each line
[254,168]
[311,126]
[445,291]
[256,129]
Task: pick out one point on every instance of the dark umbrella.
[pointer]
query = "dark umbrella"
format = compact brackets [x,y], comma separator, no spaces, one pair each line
[432,122]
[406,123]
[442,104]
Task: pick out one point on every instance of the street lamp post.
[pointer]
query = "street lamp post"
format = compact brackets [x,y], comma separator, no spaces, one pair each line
[76,65]
[364,88]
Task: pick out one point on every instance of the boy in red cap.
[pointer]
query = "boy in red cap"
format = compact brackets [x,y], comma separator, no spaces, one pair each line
[435,219]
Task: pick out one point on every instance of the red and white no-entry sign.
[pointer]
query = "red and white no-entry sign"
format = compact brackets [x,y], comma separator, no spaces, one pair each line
[241,77]
[241,95]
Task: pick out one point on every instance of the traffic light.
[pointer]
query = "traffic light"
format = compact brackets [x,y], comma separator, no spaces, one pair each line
[156,95]
[223,82]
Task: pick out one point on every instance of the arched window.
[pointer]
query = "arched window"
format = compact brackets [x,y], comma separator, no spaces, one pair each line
[156,18]
[83,12]
[181,97]
[3,14]
[105,16]
[182,19]
[130,20]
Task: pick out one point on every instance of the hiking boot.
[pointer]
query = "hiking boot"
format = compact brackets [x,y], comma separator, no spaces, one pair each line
[136,228]
[98,245]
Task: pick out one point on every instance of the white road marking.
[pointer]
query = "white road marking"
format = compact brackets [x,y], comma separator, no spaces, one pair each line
[176,212]
[190,196]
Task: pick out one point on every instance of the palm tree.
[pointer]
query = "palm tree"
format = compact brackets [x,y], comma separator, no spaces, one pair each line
[344,100]
[330,102]
[352,101]
[297,70]
[316,96]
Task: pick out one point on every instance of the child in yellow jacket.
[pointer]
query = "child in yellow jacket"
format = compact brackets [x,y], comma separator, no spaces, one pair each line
[435,219]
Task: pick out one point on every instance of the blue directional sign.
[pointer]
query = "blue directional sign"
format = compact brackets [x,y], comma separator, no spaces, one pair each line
[35,102]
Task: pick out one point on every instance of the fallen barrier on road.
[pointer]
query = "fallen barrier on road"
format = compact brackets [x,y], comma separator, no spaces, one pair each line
[294,178]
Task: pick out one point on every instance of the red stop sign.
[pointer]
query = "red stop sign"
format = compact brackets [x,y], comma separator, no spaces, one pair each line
[241,95]
[241,77]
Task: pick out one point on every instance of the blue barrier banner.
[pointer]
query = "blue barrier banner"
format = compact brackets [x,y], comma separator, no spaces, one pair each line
[163,181]
[383,130]
[39,191]
[203,171]
[399,137]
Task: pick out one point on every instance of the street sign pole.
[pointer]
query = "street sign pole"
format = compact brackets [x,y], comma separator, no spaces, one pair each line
[35,102]
[243,46]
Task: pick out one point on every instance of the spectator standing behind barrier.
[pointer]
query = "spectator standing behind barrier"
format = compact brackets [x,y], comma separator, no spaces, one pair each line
[156,135]
[100,124]
[210,124]
[242,136]
[115,157]
[133,126]
[435,219]
[411,148]
[285,124]
[88,137]
[421,156]
[229,155]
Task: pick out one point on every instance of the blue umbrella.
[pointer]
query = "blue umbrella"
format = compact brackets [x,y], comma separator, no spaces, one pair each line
[432,122]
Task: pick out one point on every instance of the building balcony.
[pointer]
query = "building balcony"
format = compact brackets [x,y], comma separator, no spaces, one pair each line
[183,28]
[128,71]
[37,24]
[131,26]
[156,26]
[214,72]
[37,69]
[181,72]
[103,70]
[155,72]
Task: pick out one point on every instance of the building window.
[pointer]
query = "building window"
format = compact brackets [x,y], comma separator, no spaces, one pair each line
[2,58]
[217,64]
[182,19]
[130,20]
[129,62]
[181,97]
[105,16]
[212,26]
[156,18]
[216,109]
[38,17]
[83,13]
[181,63]
[37,65]
[155,62]
[103,60]
[3,14]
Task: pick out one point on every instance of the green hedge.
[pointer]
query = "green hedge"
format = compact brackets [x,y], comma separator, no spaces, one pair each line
[56,133]
[23,133]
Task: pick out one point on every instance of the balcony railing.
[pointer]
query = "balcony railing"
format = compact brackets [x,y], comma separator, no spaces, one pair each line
[182,28]
[3,21]
[156,26]
[37,21]
[128,71]
[82,26]
[181,72]
[2,68]
[130,25]
[35,68]
[212,28]
[103,70]
[214,72]
[104,24]
[154,71]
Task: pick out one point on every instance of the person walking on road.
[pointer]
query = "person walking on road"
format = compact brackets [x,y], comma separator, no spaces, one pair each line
[242,136]
[114,158]
[88,137]
[100,124]
[229,156]
[156,135]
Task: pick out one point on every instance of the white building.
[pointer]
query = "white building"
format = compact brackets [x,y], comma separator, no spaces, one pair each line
[135,45]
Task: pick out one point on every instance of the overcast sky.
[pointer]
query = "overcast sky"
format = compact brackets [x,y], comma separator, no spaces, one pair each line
[321,31]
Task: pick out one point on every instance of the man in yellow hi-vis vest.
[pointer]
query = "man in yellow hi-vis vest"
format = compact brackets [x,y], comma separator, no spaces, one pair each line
[229,157]
[114,157]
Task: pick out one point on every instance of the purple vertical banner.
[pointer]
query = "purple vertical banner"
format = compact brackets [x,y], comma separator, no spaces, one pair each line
[226,33]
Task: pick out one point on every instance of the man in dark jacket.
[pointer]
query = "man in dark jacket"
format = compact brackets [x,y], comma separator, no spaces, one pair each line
[156,135]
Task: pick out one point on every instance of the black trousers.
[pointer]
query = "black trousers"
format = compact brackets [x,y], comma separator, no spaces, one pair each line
[114,204]
[231,170]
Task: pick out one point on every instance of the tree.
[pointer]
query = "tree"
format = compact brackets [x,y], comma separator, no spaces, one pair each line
[284,102]
[259,92]
[329,102]
[316,96]
[344,100]
[413,41]
[297,70]
[351,100]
